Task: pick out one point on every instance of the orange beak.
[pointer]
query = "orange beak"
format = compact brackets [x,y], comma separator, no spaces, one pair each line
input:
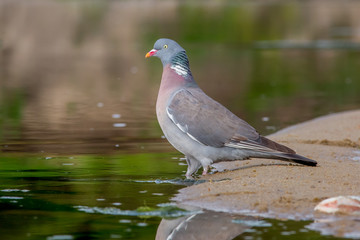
[151,53]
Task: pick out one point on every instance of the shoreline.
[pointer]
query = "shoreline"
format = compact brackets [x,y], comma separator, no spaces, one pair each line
[281,190]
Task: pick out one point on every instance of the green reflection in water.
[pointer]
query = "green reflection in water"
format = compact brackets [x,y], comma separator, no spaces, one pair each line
[42,193]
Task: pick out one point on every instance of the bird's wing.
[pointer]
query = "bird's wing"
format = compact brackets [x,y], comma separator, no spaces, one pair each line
[210,123]
[207,121]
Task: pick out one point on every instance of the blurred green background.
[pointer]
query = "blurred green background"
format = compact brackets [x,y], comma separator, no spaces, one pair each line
[77,97]
[68,66]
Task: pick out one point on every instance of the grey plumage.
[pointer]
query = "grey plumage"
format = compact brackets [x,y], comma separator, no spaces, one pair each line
[201,128]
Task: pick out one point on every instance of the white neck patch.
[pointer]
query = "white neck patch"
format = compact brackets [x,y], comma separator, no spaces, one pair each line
[180,70]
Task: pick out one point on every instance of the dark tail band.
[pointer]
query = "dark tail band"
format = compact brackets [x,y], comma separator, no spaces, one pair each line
[297,159]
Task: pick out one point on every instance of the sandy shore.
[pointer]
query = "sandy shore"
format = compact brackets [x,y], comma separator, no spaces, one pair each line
[280,190]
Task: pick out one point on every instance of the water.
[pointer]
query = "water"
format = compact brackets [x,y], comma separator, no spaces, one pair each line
[42,197]
[82,155]
[113,197]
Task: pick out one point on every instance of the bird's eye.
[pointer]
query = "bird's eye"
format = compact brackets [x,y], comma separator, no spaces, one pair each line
[165,46]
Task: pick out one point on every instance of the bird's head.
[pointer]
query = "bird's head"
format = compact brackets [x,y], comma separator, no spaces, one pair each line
[165,49]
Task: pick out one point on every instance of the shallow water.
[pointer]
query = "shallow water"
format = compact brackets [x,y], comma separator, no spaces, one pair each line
[82,155]
[123,196]
[53,196]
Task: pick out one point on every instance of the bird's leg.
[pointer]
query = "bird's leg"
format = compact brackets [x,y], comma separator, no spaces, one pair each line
[193,166]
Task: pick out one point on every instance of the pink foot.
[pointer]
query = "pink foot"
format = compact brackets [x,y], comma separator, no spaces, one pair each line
[205,171]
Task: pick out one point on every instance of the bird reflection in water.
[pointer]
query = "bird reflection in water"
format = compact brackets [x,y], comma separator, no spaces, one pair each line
[203,225]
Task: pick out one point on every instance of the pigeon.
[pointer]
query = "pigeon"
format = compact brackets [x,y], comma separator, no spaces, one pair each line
[202,129]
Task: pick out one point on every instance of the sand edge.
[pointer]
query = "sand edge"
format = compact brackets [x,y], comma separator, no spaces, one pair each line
[276,189]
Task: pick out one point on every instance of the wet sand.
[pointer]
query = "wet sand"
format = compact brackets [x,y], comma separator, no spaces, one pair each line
[277,189]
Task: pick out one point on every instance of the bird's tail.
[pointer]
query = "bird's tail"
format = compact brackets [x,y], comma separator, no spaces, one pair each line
[285,153]
[296,159]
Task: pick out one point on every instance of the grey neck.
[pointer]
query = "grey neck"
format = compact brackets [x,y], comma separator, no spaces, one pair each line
[180,64]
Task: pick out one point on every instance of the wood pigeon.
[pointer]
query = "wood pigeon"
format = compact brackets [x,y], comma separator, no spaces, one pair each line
[201,128]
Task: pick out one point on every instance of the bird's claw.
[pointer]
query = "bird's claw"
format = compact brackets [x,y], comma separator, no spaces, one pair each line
[205,171]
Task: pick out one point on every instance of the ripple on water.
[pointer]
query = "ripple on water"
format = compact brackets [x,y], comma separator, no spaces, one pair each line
[168,211]
[11,197]
[119,125]
[176,181]
[253,223]
[15,190]
[60,237]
